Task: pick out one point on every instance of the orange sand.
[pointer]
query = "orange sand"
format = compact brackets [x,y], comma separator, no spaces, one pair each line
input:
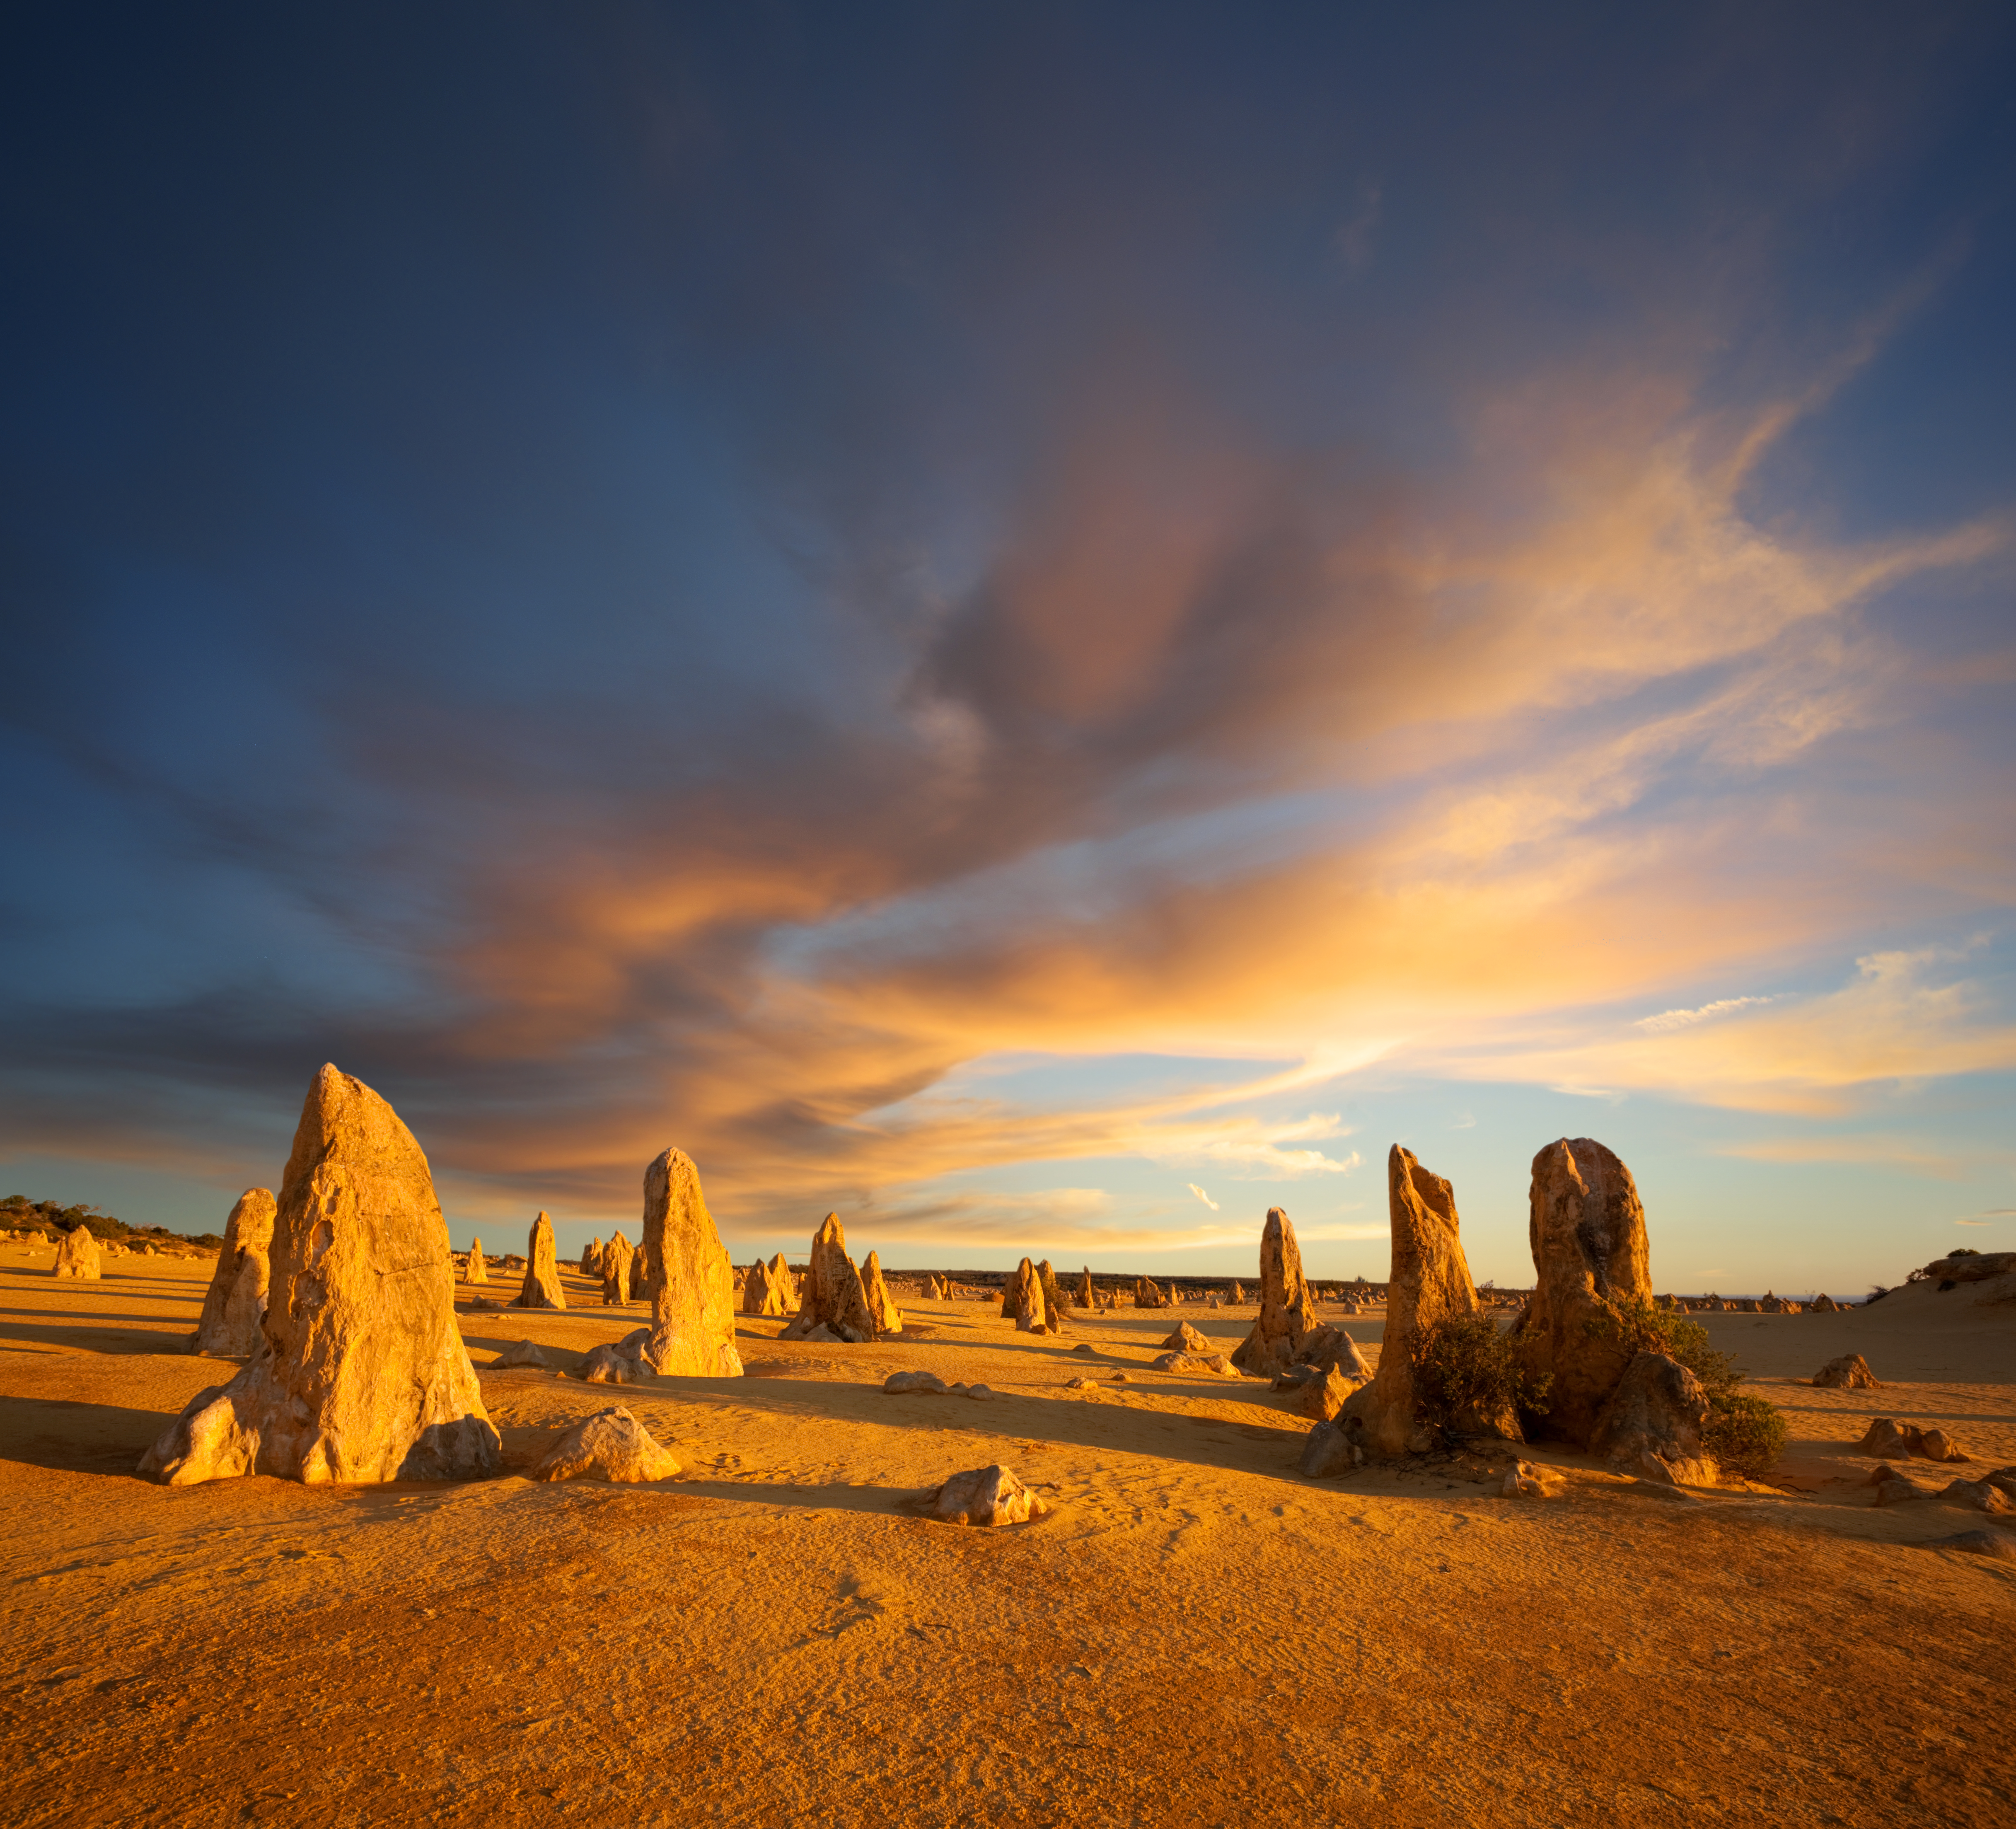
[1195,1637]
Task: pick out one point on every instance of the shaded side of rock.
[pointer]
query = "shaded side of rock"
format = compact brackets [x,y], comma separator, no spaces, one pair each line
[1657,1412]
[692,1285]
[884,1316]
[229,1327]
[1286,1314]
[542,1286]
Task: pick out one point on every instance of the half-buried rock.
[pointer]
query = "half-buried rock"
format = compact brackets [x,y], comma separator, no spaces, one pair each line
[361,1374]
[986,1495]
[229,1327]
[692,1285]
[1285,1311]
[1591,1261]
[1430,1286]
[542,1286]
[611,1444]
[1850,1372]
[78,1257]
[833,1296]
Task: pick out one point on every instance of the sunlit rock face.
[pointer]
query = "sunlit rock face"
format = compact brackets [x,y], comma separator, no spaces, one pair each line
[361,1374]
[229,1327]
[542,1286]
[834,1297]
[1591,1256]
[691,1283]
[1286,1311]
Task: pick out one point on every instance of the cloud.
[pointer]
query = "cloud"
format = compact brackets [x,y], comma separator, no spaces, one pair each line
[1669,1020]
[1920,1156]
[1201,1195]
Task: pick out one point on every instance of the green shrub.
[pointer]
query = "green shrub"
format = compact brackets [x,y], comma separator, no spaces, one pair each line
[1465,1364]
[1744,1432]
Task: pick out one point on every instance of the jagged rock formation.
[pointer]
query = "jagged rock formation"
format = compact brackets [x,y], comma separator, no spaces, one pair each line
[1850,1372]
[1653,1423]
[609,1365]
[1429,1284]
[1823,1304]
[474,1269]
[762,1293]
[611,1444]
[1236,1297]
[834,1297]
[1056,1303]
[229,1327]
[591,1259]
[542,1286]
[78,1257]
[986,1495]
[1323,1398]
[361,1375]
[1331,1346]
[619,1264]
[1285,1311]
[1087,1298]
[1591,1258]
[882,1309]
[691,1287]
[1023,1299]
[1146,1295]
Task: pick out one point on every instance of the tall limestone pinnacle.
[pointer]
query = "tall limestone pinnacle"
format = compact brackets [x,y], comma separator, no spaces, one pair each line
[689,1281]
[542,1286]
[834,1297]
[1287,1313]
[1591,1257]
[361,1374]
[229,1327]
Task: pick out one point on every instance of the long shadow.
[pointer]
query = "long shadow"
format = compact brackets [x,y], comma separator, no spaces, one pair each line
[171,1339]
[69,1437]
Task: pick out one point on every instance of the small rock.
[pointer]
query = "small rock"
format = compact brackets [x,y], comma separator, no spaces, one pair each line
[1937,1444]
[1186,1339]
[1295,1377]
[1212,1364]
[611,1444]
[898,1383]
[608,1365]
[1977,1496]
[981,1393]
[1322,1399]
[1850,1372]
[1523,1481]
[1327,1451]
[1121,1378]
[987,1495]
[1081,1383]
[524,1353]
[1085,1351]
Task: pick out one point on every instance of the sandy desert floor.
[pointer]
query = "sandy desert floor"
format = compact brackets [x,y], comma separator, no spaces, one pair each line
[1195,1635]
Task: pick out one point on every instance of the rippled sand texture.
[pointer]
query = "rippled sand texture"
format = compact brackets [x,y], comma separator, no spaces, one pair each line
[1194,1636]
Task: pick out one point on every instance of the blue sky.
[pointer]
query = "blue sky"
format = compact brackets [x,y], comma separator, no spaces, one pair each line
[988,617]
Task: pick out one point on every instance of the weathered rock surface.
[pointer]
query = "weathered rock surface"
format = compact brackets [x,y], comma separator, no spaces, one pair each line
[691,1286]
[1657,1412]
[542,1286]
[1056,1303]
[361,1375]
[1087,1297]
[1895,1441]
[1286,1314]
[1850,1372]
[618,1264]
[833,1297]
[1430,1284]
[1323,1398]
[986,1495]
[1328,1449]
[1823,1304]
[1590,1259]
[1329,1346]
[474,1269]
[1146,1295]
[1215,1365]
[1023,1299]
[78,1257]
[926,1384]
[607,1364]
[229,1327]
[1237,1297]
[522,1353]
[1186,1339]
[882,1310]
[611,1444]
[760,1295]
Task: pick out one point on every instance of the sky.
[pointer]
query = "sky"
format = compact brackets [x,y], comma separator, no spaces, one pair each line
[1044,626]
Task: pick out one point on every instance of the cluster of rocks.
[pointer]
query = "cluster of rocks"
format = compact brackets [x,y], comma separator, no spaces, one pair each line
[769,1290]
[930,1384]
[80,1256]
[841,1303]
[1890,1440]
[342,1292]
[1032,1299]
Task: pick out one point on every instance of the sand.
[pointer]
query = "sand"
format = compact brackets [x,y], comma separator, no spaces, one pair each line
[1194,1636]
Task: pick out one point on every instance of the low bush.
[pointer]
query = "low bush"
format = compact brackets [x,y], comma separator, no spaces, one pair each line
[1744,1433]
[1466,1364]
